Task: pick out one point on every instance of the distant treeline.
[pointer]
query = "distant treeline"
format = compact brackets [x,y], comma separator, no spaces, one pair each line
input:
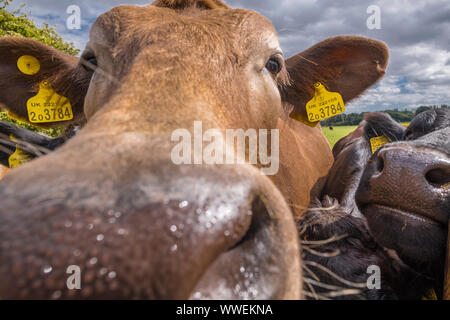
[353,119]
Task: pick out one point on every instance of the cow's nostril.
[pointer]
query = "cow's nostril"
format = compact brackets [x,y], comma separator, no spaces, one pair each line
[260,217]
[380,163]
[438,177]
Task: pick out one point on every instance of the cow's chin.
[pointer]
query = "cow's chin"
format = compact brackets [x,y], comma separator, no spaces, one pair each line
[260,267]
[407,232]
[252,279]
[240,274]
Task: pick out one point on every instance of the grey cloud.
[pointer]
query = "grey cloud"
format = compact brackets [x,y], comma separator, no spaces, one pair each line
[417,33]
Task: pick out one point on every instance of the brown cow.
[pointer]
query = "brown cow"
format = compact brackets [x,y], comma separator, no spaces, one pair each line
[3,171]
[112,201]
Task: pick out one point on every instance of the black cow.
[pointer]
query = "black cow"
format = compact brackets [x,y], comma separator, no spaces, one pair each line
[30,143]
[402,190]
[338,251]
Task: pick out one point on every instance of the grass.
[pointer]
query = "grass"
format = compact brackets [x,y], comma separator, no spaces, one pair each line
[337,133]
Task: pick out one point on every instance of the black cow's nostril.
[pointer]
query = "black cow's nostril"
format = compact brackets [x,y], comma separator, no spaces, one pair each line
[379,163]
[438,177]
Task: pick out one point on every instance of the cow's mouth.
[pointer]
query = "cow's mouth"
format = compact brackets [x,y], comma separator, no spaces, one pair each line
[396,212]
[405,231]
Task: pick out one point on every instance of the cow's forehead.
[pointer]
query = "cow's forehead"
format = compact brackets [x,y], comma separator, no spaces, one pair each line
[134,22]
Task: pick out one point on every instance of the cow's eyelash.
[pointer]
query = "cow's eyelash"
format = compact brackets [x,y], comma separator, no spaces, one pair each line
[89,61]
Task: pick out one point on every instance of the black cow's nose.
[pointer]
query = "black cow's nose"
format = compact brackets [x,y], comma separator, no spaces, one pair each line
[420,167]
[439,176]
[415,179]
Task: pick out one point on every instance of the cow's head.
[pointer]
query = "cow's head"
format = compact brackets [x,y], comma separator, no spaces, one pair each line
[352,153]
[404,193]
[113,202]
[402,189]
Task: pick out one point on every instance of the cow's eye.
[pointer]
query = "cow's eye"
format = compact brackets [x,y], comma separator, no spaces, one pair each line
[273,65]
[89,61]
[92,60]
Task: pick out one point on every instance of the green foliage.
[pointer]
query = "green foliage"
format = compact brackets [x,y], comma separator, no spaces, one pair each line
[337,133]
[55,132]
[423,109]
[353,119]
[16,23]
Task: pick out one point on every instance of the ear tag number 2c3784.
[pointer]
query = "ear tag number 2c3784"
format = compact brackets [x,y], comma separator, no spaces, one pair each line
[47,105]
[324,104]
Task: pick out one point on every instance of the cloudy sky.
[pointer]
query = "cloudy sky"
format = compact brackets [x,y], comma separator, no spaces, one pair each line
[416,31]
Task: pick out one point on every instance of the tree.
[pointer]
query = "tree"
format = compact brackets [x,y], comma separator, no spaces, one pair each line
[423,109]
[352,119]
[16,23]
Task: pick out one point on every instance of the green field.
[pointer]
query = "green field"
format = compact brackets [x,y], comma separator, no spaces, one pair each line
[337,133]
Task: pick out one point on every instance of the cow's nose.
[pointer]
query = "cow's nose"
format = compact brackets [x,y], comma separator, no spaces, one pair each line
[222,237]
[426,171]
[191,233]
[410,178]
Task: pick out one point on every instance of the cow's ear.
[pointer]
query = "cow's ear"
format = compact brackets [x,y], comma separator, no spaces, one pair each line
[20,79]
[347,65]
[378,124]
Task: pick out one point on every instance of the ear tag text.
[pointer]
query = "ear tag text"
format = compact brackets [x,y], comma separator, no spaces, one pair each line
[304,119]
[48,106]
[378,142]
[28,65]
[324,104]
[18,157]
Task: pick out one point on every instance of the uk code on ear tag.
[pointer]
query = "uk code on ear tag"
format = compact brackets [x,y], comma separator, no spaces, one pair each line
[18,157]
[48,106]
[324,104]
[378,142]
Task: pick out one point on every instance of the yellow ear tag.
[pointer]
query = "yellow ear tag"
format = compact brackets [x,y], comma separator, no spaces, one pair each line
[431,295]
[18,157]
[48,106]
[378,142]
[28,65]
[324,105]
[304,120]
